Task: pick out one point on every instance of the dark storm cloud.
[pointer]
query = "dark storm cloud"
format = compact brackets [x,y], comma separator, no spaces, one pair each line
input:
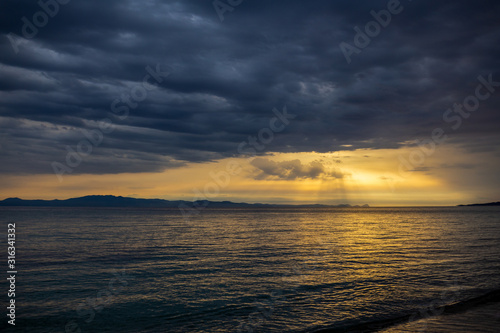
[226,77]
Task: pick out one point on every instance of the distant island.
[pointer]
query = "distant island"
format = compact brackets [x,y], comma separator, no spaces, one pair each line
[118,201]
[482,204]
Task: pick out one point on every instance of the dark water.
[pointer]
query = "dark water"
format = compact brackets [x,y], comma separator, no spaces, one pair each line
[246,270]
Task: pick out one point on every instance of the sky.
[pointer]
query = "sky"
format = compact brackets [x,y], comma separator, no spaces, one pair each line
[389,103]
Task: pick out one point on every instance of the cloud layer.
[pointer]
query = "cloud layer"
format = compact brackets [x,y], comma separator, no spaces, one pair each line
[226,77]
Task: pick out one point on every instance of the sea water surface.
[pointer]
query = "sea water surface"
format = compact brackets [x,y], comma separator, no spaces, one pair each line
[247,270]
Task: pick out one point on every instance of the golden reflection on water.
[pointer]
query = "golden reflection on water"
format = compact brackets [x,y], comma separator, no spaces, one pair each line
[331,266]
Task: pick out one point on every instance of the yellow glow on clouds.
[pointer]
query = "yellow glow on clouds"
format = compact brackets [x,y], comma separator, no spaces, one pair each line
[356,177]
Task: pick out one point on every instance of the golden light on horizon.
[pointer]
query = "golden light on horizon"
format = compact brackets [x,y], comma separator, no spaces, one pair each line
[355,177]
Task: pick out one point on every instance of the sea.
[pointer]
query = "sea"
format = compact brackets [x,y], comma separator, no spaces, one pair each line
[253,270]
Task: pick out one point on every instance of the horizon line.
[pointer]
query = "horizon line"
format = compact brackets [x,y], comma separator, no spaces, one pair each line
[332,205]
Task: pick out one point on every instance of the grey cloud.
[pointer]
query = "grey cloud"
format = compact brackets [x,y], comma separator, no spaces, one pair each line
[227,76]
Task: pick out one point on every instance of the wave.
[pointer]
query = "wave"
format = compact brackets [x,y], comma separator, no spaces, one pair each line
[374,326]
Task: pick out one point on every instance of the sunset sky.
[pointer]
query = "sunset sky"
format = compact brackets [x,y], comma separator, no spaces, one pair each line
[257,101]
